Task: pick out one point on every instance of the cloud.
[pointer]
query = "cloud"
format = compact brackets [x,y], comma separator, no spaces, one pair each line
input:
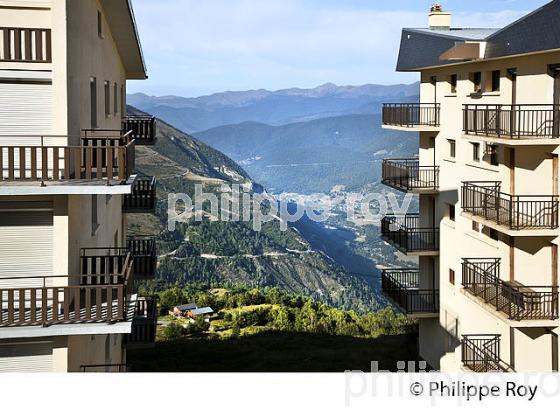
[237,44]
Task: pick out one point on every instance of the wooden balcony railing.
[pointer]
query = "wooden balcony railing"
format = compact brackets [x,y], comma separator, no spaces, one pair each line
[407,174]
[512,121]
[481,277]
[142,127]
[25,45]
[52,300]
[405,233]
[516,212]
[481,354]
[143,197]
[144,324]
[411,114]
[402,286]
[144,253]
[65,163]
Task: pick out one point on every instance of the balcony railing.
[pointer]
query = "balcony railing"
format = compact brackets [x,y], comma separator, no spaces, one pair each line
[144,253]
[143,196]
[104,368]
[97,295]
[44,163]
[411,115]
[144,324]
[407,174]
[481,354]
[525,121]
[481,277]
[25,45]
[402,286]
[516,212]
[143,128]
[405,233]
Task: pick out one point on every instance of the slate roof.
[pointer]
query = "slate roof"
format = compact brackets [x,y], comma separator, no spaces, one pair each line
[202,311]
[188,306]
[537,31]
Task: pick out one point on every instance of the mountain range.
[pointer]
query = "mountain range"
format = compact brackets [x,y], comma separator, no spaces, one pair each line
[272,107]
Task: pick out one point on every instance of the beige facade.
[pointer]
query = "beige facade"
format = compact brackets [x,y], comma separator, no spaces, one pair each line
[63,70]
[515,225]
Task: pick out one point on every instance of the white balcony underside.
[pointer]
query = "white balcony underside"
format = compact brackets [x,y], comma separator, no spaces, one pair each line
[103,328]
[78,187]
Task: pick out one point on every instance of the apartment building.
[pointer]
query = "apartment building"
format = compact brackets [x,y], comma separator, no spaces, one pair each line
[487,233]
[67,267]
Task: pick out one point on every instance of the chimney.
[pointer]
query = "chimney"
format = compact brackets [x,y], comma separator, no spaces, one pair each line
[439,19]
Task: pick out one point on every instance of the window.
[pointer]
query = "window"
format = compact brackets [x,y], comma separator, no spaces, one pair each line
[94,220]
[452,148]
[475,151]
[107,99]
[492,151]
[115,99]
[451,212]
[496,80]
[476,79]
[451,276]
[99,24]
[93,101]
[475,226]
[453,83]
[123,101]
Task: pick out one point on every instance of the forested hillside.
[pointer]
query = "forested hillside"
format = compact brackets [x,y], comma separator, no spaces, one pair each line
[232,253]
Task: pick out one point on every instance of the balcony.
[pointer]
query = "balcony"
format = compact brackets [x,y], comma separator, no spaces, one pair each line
[510,213]
[143,196]
[402,287]
[406,174]
[25,45]
[37,164]
[144,324]
[513,124]
[104,368]
[481,278]
[144,254]
[411,117]
[142,128]
[101,293]
[481,354]
[405,233]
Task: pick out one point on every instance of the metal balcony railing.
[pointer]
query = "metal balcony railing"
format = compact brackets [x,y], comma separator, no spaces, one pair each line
[25,45]
[527,121]
[411,114]
[481,278]
[144,253]
[481,354]
[144,324]
[143,128]
[407,174]
[402,286]
[516,212]
[405,233]
[143,197]
[104,368]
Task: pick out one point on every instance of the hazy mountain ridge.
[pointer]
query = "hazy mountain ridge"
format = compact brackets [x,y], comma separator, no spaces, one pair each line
[272,107]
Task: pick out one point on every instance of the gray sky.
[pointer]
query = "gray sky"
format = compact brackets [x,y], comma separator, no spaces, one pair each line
[198,47]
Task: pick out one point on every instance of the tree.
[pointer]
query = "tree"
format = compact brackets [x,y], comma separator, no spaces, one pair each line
[235,331]
[172,331]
